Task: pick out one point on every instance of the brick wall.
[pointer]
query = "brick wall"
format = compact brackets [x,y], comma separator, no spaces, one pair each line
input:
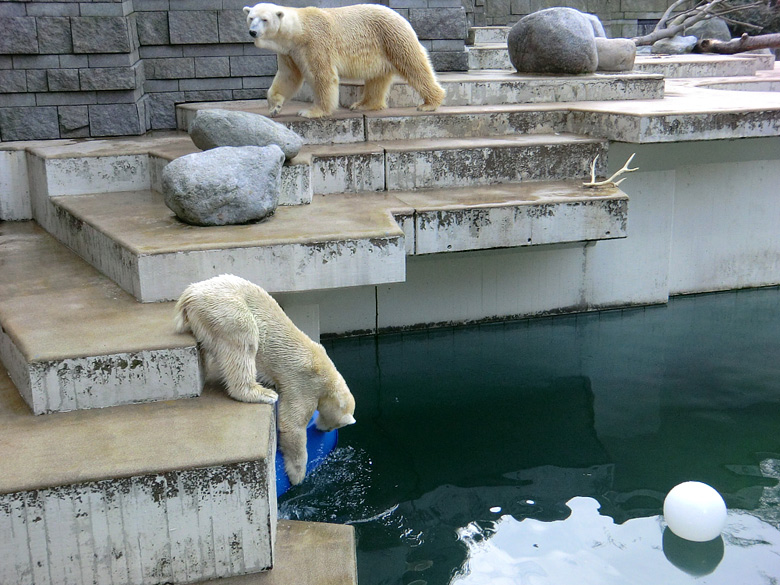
[78,68]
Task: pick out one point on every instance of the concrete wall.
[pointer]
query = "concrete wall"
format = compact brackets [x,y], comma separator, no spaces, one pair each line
[702,216]
[76,68]
[620,17]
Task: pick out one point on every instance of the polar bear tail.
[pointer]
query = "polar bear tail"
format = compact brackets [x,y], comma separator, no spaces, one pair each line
[180,321]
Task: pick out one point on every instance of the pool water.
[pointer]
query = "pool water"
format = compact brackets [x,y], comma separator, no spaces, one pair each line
[540,451]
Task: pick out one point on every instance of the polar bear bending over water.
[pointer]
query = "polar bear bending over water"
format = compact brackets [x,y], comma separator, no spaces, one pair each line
[244,334]
[319,45]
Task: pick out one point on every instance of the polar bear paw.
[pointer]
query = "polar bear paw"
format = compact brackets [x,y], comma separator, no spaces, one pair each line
[254,393]
[313,113]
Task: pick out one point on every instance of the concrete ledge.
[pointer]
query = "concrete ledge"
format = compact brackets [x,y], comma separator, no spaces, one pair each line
[482,88]
[72,339]
[176,492]
[503,216]
[337,241]
[307,553]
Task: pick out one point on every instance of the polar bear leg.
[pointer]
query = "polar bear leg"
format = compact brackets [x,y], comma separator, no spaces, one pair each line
[374,94]
[294,412]
[286,84]
[325,85]
[237,363]
[419,74]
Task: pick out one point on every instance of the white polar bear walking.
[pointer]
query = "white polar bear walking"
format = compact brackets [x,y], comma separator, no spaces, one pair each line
[319,45]
[244,334]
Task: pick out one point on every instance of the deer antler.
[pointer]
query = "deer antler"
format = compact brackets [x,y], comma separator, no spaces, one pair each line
[611,181]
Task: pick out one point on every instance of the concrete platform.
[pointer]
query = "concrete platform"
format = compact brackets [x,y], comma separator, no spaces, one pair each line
[687,113]
[72,339]
[504,87]
[307,553]
[494,56]
[337,241]
[176,491]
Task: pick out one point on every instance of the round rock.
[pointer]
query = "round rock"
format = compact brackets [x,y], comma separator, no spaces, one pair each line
[225,185]
[709,28]
[675,45]
[615,54]
[555,40]
[215,128]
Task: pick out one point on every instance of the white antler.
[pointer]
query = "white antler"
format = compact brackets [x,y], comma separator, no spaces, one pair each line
[611,181]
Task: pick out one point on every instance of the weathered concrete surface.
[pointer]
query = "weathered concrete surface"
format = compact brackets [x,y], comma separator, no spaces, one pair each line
[344,126]
[307,553]
[687,113]
[528,214]
[504,87]
[72,339]
[465,122]
[495,56]
[176,492]
[421,164]
[336,241]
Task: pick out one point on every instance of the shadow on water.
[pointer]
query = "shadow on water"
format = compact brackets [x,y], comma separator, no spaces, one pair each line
[468,428]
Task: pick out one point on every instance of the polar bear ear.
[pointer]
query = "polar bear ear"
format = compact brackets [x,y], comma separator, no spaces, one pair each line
[347,419]
[247,9]
[280,14]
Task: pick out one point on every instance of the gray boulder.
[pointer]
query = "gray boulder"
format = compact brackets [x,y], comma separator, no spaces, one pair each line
[598,28]
[710,28]
[615,54]
[555,40]
[225,185]
[674,46]
[214,128]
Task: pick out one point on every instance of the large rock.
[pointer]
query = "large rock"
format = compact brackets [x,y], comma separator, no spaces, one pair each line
[677,45]
[555,40]
[215,128]
[710,28]
[226,185]
[615,54]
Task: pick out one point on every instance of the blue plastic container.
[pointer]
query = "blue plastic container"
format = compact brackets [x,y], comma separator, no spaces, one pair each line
[318,445]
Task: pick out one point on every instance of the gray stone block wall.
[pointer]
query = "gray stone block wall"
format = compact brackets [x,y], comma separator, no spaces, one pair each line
[80,68]
[620,17]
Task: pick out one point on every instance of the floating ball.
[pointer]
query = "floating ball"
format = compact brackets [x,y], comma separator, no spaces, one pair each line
[695,511]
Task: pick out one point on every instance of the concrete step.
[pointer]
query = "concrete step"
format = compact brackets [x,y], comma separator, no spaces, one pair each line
[73,167]
[134,239]
[485,88]
[72,339]
[390,165]
[307,553]
[337,241]
[401,123]
[170,492]
[495,56]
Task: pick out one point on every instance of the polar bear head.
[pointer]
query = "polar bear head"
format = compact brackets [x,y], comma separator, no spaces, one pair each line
[265,20]
[336,406]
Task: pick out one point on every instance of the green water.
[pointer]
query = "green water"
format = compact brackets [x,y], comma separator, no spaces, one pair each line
[470,442]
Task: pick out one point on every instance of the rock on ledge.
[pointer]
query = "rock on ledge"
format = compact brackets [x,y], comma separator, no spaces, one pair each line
[214,128]
[226,185]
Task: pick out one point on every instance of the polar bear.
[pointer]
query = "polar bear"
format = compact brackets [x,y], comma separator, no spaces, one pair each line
[244,334]
[319,45]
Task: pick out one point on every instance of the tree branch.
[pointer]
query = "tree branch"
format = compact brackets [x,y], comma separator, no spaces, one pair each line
[740,45]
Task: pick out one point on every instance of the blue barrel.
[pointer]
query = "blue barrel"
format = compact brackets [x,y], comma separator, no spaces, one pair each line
[318,445]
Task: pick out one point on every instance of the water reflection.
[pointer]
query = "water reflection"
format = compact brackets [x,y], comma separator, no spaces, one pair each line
[587,548]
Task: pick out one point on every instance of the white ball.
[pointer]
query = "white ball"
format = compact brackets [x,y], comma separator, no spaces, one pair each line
[695,511]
